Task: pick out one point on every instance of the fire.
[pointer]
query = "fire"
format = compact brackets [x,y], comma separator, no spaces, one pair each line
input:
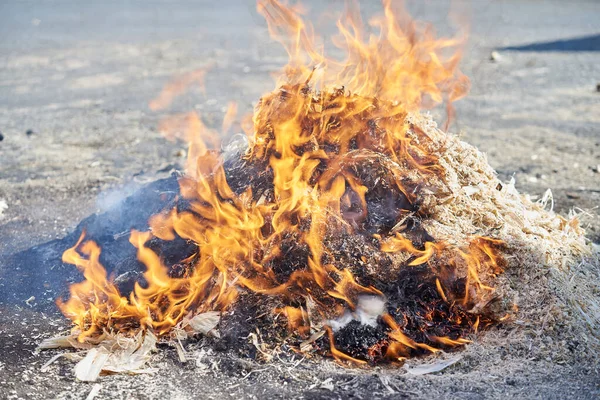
[332,155]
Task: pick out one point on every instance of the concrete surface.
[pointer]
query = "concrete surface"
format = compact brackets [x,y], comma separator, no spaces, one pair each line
[79,75]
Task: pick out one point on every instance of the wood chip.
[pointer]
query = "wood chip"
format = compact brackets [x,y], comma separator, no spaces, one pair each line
[88,369]
[205,323]
[94,392]
[424,369]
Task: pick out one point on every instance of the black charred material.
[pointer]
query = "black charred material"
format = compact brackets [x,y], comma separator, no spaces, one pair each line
[125,282]
[291,256]
[385,198]
[235,327]
[415,303]
[362,341]
[385,202]
[242,174]
[172,252]
[359,253]
[414,231]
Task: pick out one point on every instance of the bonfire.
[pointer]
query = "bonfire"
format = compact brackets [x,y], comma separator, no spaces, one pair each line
[354,227]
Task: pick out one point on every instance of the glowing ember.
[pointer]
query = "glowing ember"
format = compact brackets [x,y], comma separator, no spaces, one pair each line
[322,214]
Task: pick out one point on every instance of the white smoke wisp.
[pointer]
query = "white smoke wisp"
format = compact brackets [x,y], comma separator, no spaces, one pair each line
[368,309]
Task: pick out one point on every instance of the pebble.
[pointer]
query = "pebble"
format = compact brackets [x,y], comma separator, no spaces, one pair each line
[29,132]
[1,137]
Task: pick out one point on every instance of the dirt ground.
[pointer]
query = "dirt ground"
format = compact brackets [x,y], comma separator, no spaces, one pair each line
[77,136]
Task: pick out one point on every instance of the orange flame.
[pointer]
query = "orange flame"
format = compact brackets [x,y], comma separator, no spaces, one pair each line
[177,87]
[404,63]
[324,158]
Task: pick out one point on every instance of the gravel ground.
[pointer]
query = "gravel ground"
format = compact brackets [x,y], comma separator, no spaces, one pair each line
[77,134]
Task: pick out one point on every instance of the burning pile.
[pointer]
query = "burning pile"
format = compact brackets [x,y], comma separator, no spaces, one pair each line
[346,211]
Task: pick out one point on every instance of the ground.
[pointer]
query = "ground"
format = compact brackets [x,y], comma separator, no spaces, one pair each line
[78,77]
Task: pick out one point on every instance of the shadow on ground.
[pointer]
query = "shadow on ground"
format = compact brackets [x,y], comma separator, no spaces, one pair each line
[584,43]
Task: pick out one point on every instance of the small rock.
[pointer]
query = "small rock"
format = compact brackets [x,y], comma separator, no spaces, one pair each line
[598,87]
[1,137]
[29,132]
[572,195]
[495,56]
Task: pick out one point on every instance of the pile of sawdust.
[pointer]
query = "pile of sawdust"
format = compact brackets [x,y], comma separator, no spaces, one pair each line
[547,286]
[552,279]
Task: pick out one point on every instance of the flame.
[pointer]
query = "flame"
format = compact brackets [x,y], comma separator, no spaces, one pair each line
[179,86]
[334,155]
[405,63]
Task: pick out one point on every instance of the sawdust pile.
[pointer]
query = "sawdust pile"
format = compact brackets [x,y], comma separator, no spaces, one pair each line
[552,278]
[546,287]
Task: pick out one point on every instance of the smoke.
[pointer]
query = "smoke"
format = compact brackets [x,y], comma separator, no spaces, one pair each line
[114,197]
[368,309]
[234,146]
